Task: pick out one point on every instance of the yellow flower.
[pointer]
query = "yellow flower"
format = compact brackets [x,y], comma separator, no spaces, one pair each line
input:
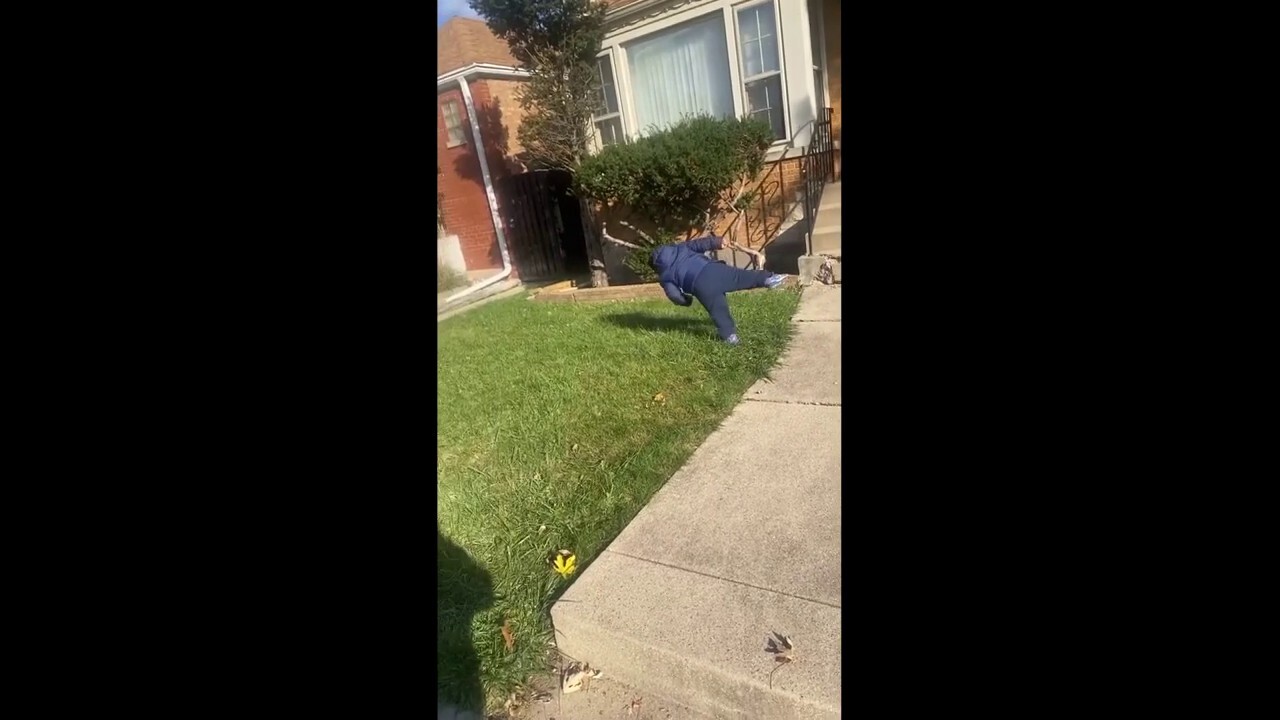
[565,563]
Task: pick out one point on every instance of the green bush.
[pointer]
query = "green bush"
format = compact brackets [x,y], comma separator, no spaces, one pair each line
[674,176]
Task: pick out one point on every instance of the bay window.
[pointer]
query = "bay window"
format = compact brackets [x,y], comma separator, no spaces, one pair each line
[722,58]
[681,71]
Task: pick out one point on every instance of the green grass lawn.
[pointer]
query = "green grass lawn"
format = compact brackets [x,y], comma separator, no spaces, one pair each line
[550,437]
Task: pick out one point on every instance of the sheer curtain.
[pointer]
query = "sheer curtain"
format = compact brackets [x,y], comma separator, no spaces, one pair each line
[681,71]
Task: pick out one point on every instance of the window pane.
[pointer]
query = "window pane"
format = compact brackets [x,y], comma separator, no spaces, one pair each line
[681,71]
[607,96]
[610,131]
[764,102]
[747,24]
[764,14]
[759,39]
[453,122]
[770,47]
[611,98]
[751,64]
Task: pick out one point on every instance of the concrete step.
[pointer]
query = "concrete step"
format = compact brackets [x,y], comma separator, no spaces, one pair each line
[828,217]
[810,265]
[830,196]
[681,603]
[826,240]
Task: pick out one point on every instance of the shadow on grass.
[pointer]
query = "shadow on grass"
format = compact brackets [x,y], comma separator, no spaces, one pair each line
[699,326]
[463,589]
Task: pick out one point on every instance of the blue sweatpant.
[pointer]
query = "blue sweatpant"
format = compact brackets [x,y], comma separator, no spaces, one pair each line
[718,279]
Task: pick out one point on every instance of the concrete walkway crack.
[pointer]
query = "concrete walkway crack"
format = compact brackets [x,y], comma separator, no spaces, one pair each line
[795,402]
[725,579]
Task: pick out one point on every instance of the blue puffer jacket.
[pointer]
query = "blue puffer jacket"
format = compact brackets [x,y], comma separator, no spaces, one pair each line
[678,266]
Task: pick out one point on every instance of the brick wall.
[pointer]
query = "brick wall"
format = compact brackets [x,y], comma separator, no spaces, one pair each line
[464,204]
[503,95]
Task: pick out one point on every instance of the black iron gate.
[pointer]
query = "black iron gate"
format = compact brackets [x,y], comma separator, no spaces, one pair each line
[543,224]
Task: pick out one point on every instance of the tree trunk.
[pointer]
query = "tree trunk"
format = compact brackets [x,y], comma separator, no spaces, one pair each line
[595,245]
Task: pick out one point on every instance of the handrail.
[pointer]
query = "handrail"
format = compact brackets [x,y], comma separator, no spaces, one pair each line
[817,168]
[766,192]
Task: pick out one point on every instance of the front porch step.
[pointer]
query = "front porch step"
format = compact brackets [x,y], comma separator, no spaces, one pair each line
[826,240]
[828,217]
[811,264]
[830,197]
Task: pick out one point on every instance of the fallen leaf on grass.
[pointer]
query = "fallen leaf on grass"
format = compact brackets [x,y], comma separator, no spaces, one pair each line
[564,562]
[508,636]
[660,398]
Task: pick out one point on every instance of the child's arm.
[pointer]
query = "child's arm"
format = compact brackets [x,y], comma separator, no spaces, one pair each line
[675,295]
[703,244]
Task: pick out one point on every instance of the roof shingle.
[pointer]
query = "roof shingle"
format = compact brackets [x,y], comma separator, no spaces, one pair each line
[468,40]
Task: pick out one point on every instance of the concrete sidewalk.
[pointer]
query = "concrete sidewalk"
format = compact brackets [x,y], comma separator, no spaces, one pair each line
[744,540]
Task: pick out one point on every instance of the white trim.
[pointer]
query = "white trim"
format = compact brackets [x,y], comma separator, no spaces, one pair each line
[783,152]
[617,25]
[480,70]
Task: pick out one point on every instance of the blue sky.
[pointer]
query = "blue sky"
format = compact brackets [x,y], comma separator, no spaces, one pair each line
[446,9]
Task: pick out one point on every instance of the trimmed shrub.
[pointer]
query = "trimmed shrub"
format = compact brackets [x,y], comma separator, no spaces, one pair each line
[674,177]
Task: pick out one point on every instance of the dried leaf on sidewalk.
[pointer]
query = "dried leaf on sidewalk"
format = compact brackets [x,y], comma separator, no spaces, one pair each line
[782,649]
[508,636]
[633,707]
[577,677]
[779,644]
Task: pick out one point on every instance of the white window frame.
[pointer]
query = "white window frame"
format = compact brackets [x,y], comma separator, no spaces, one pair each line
[617,92]
[781,72]
[449,142]
[696,10]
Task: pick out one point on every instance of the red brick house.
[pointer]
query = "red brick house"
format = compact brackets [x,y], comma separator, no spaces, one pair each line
[476,80]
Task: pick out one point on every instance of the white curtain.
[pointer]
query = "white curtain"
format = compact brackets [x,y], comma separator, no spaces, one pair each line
[681,71]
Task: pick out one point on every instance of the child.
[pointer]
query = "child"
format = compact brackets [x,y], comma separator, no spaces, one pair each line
[683,271]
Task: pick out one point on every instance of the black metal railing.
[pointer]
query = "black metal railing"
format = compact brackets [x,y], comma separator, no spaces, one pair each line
[816,170]
[766,209]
